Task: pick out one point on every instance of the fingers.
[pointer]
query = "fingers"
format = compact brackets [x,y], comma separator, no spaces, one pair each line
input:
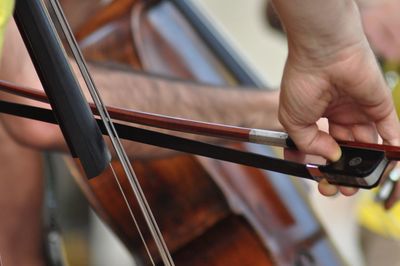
[365,133]
[340,132]
[379,106]
[360,132]
[323,144]
[327,189]
[313,141]
[330,190]
[357,100]
[389,129]
[324,187]
[348,191]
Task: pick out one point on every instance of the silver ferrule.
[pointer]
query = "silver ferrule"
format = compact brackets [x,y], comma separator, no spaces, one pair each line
[268,137]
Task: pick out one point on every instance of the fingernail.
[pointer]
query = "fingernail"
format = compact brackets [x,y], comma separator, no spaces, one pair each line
[337,155]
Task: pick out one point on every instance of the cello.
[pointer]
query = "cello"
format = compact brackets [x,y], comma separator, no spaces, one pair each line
[237,214]
[270,215]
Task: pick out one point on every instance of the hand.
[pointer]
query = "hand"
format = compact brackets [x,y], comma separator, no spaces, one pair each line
[381,23]
[345,86]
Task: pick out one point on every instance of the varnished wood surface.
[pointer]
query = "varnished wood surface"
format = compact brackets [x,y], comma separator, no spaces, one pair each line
[143,118]
[177,198]
[229,215]
[211,249]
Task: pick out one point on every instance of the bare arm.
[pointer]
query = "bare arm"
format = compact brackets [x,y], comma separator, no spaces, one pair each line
[331,72]
[141,92]
[318,28]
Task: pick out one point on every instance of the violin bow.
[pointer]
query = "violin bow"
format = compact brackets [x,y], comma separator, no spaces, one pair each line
[361,165]
[72,112]
[358,166]
[243,134]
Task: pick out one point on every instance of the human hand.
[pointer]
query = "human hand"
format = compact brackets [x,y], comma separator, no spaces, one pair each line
[347,88]
[331,72]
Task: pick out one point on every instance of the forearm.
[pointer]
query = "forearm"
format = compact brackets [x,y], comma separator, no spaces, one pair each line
[232,106]
[140,92]
[313,24]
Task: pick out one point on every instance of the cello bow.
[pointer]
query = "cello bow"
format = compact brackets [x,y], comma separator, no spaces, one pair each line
[362,164]
[243,134]
[72,112]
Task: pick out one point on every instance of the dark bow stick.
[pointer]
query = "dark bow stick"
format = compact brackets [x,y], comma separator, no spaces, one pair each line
[358,166]
[252,135]
[61,87]
[78,125]
[361,165]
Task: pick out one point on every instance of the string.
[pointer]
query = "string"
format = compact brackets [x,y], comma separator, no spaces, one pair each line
[116,143]
[132,215]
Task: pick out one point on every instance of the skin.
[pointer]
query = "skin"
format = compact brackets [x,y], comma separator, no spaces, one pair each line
[21,193]
[330,68]
[381,23]
[21,180]
[253,108]
[331,72]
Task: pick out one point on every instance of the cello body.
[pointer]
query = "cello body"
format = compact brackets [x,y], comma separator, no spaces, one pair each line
[209,212]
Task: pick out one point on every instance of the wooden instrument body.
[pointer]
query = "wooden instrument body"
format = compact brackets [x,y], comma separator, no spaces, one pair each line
[210,212]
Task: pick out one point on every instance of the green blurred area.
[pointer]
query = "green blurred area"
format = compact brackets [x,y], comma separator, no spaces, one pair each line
[392,75]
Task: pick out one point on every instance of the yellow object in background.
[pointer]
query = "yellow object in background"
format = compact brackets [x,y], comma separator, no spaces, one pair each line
[392,74]
[375,218]
[6,9]
[371,214]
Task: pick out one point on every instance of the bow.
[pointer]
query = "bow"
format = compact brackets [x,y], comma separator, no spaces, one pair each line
[361,165]
[78,126]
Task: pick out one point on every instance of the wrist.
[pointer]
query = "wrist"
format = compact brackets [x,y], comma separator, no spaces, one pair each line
[325,34]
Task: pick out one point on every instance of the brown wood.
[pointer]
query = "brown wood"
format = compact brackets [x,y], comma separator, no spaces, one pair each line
[391,152]
[147,119]
[106,29]
[175,194]
[210,213]
[212,249]
[104,16]
[253,200]
[184,125]
[78,16]
[229,214]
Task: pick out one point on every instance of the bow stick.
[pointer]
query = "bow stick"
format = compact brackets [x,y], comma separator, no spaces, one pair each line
[252,135]
[357,167]
[77,123]
[361,165]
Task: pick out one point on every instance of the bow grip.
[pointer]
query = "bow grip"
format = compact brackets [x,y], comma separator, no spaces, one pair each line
[72,112]
[357,167]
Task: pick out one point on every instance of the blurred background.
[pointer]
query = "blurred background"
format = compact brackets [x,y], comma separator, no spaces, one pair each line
[87,240]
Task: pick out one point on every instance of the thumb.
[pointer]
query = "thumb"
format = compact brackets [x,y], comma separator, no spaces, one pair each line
[311,140]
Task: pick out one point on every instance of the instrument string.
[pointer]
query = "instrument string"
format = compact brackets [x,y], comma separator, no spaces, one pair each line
[131,214]
[116,143]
